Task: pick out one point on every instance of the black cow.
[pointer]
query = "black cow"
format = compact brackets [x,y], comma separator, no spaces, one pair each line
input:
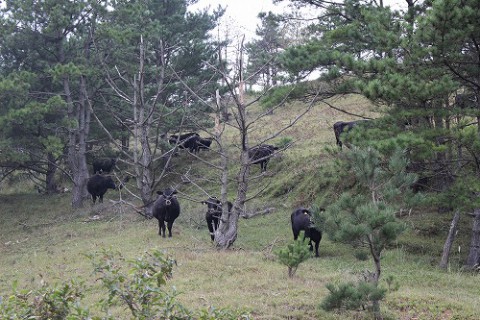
[204,143]
[214,212]
[261,154]
[185,141]
[102,165]
[166,209]
[97,186]
[344,126]
[302,220]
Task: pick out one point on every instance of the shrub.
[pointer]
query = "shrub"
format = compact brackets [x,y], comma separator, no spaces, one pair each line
[294,254]
[351,296]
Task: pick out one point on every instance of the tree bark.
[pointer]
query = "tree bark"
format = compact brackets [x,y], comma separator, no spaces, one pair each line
[473,259]
[449,241]
[142,115]
[227,230]
[50,184]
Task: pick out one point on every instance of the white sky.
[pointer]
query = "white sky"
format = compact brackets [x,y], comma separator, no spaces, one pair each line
[241,15]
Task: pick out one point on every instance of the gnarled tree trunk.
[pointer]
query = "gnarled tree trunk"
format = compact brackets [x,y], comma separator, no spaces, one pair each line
[449,242]
[473,260]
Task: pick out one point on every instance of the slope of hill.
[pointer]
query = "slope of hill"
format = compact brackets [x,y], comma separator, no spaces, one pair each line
[43,240]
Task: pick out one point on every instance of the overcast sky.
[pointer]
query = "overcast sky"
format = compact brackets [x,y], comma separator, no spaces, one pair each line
[241,15]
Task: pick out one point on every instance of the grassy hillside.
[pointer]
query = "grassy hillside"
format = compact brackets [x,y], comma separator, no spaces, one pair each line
[42,239]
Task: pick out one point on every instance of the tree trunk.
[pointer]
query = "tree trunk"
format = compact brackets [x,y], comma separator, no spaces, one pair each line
[77,144]
[376,276]
[473,259]
[450,238]
[50,184]
[227,230]
[78,114]
[142,115]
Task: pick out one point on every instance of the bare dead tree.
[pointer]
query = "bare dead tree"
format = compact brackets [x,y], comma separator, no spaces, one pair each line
[145,151]
[226,234]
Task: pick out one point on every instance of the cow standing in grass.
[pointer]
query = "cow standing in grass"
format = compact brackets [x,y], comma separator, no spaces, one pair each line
[185,141]
[166,209]
[97,186]
[301,219]
[261,154]
[214,213]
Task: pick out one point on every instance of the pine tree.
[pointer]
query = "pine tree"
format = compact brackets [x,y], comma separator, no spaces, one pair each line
[365,215]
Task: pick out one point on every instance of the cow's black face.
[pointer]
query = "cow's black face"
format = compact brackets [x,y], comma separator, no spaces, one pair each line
[109,183]
[168,194]
[213,205]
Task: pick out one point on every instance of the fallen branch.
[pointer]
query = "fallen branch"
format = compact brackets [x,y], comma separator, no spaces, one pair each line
[248,215]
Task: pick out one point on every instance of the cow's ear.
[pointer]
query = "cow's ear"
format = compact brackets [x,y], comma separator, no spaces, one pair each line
[219,202]
[174,191]
[159,192]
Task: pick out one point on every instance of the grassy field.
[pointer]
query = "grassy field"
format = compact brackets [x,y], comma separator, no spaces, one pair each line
[42,239]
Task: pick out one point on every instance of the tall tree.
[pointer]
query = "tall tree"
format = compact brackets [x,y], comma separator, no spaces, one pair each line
[150,51]
[54,44]
[244,124]
[365,215]
[262,52]
[411,64]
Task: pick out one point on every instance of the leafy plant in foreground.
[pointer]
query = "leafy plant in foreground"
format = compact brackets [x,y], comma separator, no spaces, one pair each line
[294,254]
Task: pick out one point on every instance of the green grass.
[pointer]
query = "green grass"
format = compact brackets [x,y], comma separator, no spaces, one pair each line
[42,239]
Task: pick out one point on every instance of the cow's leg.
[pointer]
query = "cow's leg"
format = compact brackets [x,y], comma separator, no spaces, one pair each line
[295,235]
[169,225]
[310,244]
[161,228]
[317,243]
[215,223]
[211,229]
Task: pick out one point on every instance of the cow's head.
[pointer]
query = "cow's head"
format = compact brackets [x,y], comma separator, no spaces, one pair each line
[167,194]
[213,205]
[108,183]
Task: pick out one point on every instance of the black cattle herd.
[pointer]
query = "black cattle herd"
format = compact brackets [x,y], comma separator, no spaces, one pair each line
[166,207]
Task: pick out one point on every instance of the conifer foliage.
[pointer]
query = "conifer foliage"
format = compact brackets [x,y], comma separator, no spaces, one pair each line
[365,216]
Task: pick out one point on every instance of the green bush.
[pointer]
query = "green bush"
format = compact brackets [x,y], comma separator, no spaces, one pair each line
[294,254]
[351,296]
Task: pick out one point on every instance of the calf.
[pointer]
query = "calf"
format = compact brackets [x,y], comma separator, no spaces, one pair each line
[185,141]
[302,220]
[261,154]
[166,209]
[97,186]
[103,165]
[214,213]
